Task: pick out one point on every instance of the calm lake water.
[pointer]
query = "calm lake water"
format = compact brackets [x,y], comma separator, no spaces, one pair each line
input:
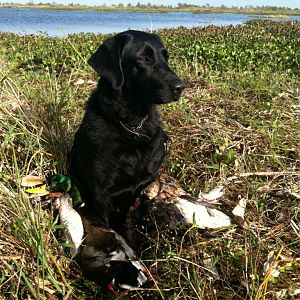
[62,22]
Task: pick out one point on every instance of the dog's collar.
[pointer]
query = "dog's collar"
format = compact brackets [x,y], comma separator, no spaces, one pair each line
[135,130]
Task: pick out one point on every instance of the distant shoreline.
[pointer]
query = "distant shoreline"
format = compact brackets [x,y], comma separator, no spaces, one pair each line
[263,10]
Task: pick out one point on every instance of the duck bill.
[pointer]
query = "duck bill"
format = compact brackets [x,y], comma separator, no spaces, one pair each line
[39,190]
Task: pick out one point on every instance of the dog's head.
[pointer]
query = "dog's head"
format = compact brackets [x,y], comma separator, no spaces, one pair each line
[136,62]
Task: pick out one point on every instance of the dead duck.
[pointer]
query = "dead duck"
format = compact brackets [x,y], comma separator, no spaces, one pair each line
[171,205]
[102,254]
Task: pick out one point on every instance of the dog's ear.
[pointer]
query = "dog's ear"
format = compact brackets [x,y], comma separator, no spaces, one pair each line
[107,60]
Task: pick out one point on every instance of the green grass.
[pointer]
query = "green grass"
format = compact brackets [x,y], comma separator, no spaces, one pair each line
[237,124]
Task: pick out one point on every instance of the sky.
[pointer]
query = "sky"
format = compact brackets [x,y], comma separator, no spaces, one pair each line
[286,3]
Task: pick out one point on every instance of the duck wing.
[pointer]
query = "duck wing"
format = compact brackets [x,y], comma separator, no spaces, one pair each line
[105,258]
[202,214]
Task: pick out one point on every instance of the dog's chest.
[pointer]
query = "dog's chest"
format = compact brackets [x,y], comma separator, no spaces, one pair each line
[134,161]
[135,170]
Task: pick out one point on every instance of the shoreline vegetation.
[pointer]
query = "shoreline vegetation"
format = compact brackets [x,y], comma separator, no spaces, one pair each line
[268,11]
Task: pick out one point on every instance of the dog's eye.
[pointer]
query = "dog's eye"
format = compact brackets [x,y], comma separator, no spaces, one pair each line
[145,59]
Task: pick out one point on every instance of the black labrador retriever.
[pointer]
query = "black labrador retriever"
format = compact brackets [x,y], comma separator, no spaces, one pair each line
[120,144]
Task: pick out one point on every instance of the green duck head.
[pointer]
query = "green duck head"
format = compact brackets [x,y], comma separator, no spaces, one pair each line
[59,183]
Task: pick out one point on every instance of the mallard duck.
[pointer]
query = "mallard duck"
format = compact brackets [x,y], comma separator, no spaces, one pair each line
[103,254]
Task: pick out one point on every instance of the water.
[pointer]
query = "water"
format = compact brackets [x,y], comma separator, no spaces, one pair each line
[62,22]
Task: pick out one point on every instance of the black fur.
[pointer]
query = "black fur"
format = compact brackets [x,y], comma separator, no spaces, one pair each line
[119,146]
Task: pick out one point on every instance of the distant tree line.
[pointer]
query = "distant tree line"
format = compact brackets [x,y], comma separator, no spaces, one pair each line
[183,6]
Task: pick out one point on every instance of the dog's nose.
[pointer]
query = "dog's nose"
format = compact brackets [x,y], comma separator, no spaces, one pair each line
[178,86]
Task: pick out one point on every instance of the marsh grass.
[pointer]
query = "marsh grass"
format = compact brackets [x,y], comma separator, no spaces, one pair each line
[237,124]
